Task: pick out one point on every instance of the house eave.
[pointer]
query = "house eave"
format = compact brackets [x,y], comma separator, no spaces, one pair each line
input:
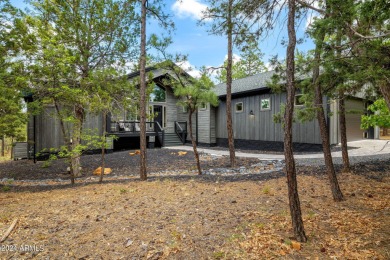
[252,92]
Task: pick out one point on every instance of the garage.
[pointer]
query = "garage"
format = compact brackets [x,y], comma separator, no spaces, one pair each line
[354,110]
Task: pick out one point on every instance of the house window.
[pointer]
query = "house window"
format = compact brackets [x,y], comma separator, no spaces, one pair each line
[239,107]
[265,104]
[185,109]
[158,94]
[298,100]
[203,106]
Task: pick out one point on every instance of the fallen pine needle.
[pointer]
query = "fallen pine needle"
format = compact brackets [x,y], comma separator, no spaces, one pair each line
[9,230]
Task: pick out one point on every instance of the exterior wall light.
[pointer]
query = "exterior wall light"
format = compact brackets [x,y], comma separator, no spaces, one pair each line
[251,113]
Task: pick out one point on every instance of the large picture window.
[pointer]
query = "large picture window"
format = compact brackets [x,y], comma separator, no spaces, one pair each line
[265,104]
[158,94]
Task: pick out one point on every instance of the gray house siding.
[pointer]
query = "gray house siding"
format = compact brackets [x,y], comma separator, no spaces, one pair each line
[204,124]
[94,122]
[30,136]
[48,132]
[261,126]
[213,138]
[181,115]
[171,101]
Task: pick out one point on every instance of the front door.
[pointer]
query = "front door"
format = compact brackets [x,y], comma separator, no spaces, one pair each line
[158,115]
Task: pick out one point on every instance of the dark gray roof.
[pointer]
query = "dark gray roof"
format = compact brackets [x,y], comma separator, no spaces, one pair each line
[258,81]
[159,70]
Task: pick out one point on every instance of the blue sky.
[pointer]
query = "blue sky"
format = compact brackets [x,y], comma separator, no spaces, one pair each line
[209,50]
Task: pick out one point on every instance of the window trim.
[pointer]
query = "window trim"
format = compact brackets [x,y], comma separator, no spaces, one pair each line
[185,109]
[269,105]
[242,107]
[203,107]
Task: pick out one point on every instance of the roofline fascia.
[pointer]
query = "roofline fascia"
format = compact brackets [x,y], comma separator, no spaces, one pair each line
[251,92]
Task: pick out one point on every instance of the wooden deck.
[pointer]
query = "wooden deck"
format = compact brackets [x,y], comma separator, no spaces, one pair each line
[131,134]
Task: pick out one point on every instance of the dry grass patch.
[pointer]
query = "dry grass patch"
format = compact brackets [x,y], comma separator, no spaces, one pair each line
[357,228]
[198,218]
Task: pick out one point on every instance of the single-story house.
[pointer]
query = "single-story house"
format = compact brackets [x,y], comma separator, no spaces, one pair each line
[254,104]
[253,107]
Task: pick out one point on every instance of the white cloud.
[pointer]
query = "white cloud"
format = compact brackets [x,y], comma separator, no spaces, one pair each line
[236,58]
[190,69]
[269,66]
[189,8]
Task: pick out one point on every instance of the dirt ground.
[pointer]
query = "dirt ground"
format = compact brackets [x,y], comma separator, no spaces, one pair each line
[198,217]
[121,163]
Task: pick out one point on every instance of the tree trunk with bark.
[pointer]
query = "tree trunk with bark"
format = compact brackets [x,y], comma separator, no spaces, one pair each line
[229,120]
[342,122]
[143,173]
[194,142]
[66,140]
[293,197]
[75,154]
[74,161]
[334,185]
[343,133]
[384,87]
[3,146]
[104,143]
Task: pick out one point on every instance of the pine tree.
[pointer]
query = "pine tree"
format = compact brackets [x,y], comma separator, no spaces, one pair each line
[295,206]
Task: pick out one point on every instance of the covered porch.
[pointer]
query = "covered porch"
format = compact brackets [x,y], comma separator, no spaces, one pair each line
[127,134]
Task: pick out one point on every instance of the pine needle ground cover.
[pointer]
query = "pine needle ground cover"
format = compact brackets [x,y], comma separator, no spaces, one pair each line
[198,217]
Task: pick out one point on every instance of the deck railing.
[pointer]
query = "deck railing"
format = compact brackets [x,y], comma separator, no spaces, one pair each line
[181,130]
[133,127]
[129,127]
[159,132]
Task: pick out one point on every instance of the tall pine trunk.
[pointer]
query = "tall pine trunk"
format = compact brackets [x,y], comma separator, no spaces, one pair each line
[384,87]
[194,142]
[342,122]
[3,146]
[334,185]
[229,120]
[104,143]
[75,154]
[143,174]
[343,133]
[66,139]
[293,197]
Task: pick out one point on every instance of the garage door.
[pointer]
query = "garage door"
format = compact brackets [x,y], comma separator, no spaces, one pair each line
[354,111]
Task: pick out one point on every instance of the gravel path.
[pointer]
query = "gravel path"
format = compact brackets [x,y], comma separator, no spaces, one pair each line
[169,162]
[121,163]
[338,160]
